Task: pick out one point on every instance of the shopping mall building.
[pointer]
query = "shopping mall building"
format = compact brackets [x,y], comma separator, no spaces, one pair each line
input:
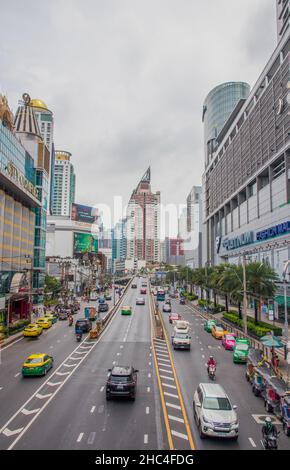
[247,174]
[19,199]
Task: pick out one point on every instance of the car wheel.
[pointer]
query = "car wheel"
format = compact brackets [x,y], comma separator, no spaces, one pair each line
[268,407]
[45,372]
[201,434]
[235,438]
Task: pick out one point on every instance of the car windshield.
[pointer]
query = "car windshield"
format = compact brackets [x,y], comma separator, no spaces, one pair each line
[34,360]
[121,378]
[212,403]
[242,347]
[218,328]
[230,338]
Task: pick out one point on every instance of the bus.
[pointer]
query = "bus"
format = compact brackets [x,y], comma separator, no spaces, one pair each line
[160,295]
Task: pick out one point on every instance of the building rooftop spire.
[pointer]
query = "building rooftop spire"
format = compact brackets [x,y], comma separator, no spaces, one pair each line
[25,120]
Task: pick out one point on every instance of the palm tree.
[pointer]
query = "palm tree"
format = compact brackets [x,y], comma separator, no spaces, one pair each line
[261,280]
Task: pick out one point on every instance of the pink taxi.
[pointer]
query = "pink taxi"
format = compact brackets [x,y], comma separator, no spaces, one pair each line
[229,341]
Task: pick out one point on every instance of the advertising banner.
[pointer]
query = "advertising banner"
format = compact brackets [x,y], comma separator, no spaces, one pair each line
[86,214]
[85,243]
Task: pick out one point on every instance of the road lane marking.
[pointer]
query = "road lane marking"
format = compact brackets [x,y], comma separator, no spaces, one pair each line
[54,384]
[102,389]
[171,395]
[81,435]
[91,438]
[80,352]
[75,358]
[148,389]
[29,412]
[168,385]
[175,418]
[149,375]
[164,365]
[180,434]
[166,370]
[7,432]
[171,405]
[252,442]
[63,373]
[162,360]
[42,397]
[16,375]
[145,438]
[147,410]
[166,377]
[69,365]
[93,409]
[161,355]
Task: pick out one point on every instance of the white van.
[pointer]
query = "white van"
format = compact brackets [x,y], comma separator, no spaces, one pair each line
[181,325]
[181,339]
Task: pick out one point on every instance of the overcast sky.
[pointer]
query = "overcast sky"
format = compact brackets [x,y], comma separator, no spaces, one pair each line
[126,80]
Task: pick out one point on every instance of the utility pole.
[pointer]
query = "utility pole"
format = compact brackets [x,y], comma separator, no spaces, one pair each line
[245,296]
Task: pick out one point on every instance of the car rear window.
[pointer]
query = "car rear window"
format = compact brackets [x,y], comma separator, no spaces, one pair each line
[230,338]
[181,336]
[35,360]
[121,378]
[212,403]
[242,347]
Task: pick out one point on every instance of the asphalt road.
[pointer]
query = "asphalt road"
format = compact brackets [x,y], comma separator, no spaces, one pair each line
[191,370]
[78,416]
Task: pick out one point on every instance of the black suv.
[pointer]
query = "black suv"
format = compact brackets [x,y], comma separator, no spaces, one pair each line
[122,382]
[103,307]
[134,286]
[84,323]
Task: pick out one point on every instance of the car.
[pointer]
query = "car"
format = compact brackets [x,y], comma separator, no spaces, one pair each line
[144,284]
[181,339]
[208,325]
[51,316]
[108,297]
[213,412]
[32,330]
[62,315]
[37,364]
[44,322]
[168,302]
[103,307]
[181,325]
[143,291]
[182,301]
[174,317]
[241,351]
[134,286]
[122,382]
[140,301]
[229,341]
[218,331]
[166,308]
[126,310]
[102,300]
[84,324]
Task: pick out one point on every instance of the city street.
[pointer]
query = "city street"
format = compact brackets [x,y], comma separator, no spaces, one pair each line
[78,416]
[191,370]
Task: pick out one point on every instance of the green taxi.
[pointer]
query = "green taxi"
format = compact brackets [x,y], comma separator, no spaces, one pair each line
[208,325]
[51,316]
[241,351]
[126,310]
[37,364]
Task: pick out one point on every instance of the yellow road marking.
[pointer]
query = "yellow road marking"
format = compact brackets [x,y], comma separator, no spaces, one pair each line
[164,409]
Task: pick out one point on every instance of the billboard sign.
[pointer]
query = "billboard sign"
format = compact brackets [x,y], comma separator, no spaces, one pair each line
[86,214]
[85,243]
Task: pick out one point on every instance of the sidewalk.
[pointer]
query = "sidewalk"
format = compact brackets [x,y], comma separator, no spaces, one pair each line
[10,339]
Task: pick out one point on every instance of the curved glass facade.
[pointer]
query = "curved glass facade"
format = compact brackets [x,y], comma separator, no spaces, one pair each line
[219,105]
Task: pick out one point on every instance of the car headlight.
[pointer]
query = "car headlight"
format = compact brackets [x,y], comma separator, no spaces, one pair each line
[235,423]
[207,421]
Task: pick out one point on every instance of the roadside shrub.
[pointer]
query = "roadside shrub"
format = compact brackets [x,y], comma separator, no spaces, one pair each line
[16,327]
[260,329]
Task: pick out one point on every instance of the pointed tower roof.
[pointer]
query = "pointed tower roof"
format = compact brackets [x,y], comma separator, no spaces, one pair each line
[147,176]
[25,120]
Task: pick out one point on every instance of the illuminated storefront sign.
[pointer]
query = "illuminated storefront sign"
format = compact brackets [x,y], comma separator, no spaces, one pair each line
[236,242]
[271,232]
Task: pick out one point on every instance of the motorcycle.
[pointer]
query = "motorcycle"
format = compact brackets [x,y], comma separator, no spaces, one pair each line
[271,442]
[70,322]
[78,337]
[211,372]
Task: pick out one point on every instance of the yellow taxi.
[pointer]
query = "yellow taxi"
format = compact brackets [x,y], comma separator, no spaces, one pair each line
[218,331]
[52,317]
[32,330]
[44,322]
[37,364]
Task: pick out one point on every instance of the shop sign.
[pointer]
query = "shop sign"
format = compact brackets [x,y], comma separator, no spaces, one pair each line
[20,179]
[271,232]
[236,242]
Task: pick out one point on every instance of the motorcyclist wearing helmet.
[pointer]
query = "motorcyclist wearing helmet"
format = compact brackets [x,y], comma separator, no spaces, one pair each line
[211,362]
[269,429]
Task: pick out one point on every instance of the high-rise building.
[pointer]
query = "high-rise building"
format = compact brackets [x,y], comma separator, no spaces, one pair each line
[64,184]
[174,251]
[119,240]
[46,126]
[247,182]
[19,199]
[143,222]
[283,18]
[27,130]
[193,240]
[219,104]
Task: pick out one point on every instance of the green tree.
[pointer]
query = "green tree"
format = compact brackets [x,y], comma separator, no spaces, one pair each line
[52,285]
[261,280]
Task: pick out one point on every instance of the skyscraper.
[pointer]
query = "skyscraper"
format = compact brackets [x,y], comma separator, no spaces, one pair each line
[193,244]
[283,18]
[46,126]
[64,184]
[143,222]
[218,107]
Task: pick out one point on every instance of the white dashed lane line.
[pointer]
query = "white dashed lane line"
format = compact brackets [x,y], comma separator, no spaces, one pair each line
[148,389]
[147,410]
[102,389]
[81,435]
[252,442]
[16,375]
[171,405]
[93,409]
[145,438]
